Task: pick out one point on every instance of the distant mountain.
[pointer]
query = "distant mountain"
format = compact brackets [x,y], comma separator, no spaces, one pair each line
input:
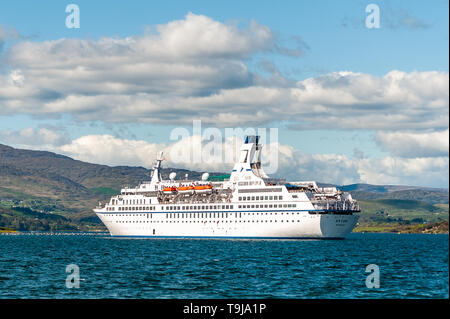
[373,192]
[63,170]
[388,188]
[59,183]
[400,192]
[50,183]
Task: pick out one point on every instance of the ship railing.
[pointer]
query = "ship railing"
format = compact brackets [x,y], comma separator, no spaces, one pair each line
[299,190]
[334,205]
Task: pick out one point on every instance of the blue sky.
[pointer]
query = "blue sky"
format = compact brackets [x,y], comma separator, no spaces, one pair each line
[330,37]
[320,25]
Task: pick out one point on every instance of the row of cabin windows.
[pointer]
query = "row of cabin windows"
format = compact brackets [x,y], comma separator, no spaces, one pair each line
[214,215]
[269,206]
[207,215]
[203,222]
[249,183]
[131,202]
[260,198]
[134,202]
[207,207]
[241,198]
[197,215]
[136,208]
[203,207]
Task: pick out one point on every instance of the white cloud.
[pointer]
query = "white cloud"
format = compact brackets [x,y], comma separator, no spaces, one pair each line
[108,150]
[32,137]
[340,169]
[292,163]
[425,171]
[415,144]
[398,100]
[195,68]
[190,56]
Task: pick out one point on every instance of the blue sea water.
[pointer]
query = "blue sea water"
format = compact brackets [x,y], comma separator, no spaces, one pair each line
[411,266]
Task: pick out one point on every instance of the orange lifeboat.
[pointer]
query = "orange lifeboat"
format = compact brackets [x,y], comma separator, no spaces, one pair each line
[203,189]
[185,189]
[170,190]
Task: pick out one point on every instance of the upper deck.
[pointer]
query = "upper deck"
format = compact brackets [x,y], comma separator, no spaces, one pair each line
[248,186]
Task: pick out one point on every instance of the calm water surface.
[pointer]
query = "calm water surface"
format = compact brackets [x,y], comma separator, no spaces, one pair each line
[411,266]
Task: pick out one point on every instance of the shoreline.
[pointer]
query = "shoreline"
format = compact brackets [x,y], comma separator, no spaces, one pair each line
[363,230]
[431,228]
[441,227]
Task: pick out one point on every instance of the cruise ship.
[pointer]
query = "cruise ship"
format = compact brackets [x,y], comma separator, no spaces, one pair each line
[247,205]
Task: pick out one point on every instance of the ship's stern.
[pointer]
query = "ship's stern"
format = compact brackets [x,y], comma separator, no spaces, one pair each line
[337,226]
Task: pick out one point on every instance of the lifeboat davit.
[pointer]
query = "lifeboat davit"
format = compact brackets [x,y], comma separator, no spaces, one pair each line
[203,189]
[185,190]
[170,190]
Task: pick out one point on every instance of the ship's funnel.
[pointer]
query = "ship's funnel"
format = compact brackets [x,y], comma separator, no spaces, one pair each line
[156,175]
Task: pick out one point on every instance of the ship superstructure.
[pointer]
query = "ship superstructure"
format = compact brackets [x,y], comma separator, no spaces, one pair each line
[247,205]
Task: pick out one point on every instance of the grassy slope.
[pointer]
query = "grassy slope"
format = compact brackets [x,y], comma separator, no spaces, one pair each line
[388,214]
[54,184]
[429,196]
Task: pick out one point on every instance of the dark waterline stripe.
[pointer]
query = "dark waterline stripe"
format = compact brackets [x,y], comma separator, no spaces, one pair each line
[221,237]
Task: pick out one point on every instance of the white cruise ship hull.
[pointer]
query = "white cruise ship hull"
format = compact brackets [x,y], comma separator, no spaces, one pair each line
[289,226]
[247,205]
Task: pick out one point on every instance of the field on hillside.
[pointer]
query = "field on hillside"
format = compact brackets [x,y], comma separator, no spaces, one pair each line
[46,191]
[393,215]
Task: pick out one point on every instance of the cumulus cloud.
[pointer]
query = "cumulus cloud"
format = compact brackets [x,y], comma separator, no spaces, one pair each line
[343,100]
[195,153]
[193,56]
[32,137]
[415,144]
[291,163]
[195,68]
[191,152]
[398,100]
[425,171]
[340,169]
[109,150]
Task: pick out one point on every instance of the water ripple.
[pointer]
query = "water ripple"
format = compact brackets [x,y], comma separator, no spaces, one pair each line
[411,266]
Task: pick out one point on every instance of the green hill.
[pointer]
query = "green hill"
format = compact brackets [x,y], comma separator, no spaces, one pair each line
[43,190]
[56,184]
[387,214]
